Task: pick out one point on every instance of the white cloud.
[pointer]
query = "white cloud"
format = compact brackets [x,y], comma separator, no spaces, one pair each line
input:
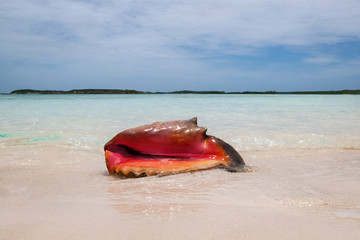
[164,24]
[323,60]
[133,38]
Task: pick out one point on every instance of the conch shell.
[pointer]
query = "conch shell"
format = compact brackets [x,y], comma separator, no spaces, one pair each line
[171,147]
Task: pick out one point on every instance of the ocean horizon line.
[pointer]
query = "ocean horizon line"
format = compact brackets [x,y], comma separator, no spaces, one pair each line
[131,91]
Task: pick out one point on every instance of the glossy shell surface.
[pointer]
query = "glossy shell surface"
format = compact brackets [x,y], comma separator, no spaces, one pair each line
[168,148]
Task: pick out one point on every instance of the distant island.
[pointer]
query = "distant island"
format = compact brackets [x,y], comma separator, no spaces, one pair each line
[127,91]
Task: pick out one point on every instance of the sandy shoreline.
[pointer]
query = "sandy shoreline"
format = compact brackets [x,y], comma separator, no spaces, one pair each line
[285,198]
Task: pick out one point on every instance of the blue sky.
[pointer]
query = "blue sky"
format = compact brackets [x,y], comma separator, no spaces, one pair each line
[166,45]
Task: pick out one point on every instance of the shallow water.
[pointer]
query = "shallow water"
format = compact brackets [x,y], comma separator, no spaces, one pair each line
[304,152]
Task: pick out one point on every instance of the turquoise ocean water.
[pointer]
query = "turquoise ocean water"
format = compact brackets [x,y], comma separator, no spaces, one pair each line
[249,122]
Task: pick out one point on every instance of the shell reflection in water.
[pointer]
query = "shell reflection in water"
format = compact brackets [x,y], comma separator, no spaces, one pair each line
[166,196]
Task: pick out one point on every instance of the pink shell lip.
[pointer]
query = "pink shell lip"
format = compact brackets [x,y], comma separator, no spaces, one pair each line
[168,147]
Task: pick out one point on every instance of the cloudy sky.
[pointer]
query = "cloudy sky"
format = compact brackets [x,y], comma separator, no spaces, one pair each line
[166,45]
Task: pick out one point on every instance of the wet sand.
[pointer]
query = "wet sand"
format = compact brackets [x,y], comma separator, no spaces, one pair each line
[57,192]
